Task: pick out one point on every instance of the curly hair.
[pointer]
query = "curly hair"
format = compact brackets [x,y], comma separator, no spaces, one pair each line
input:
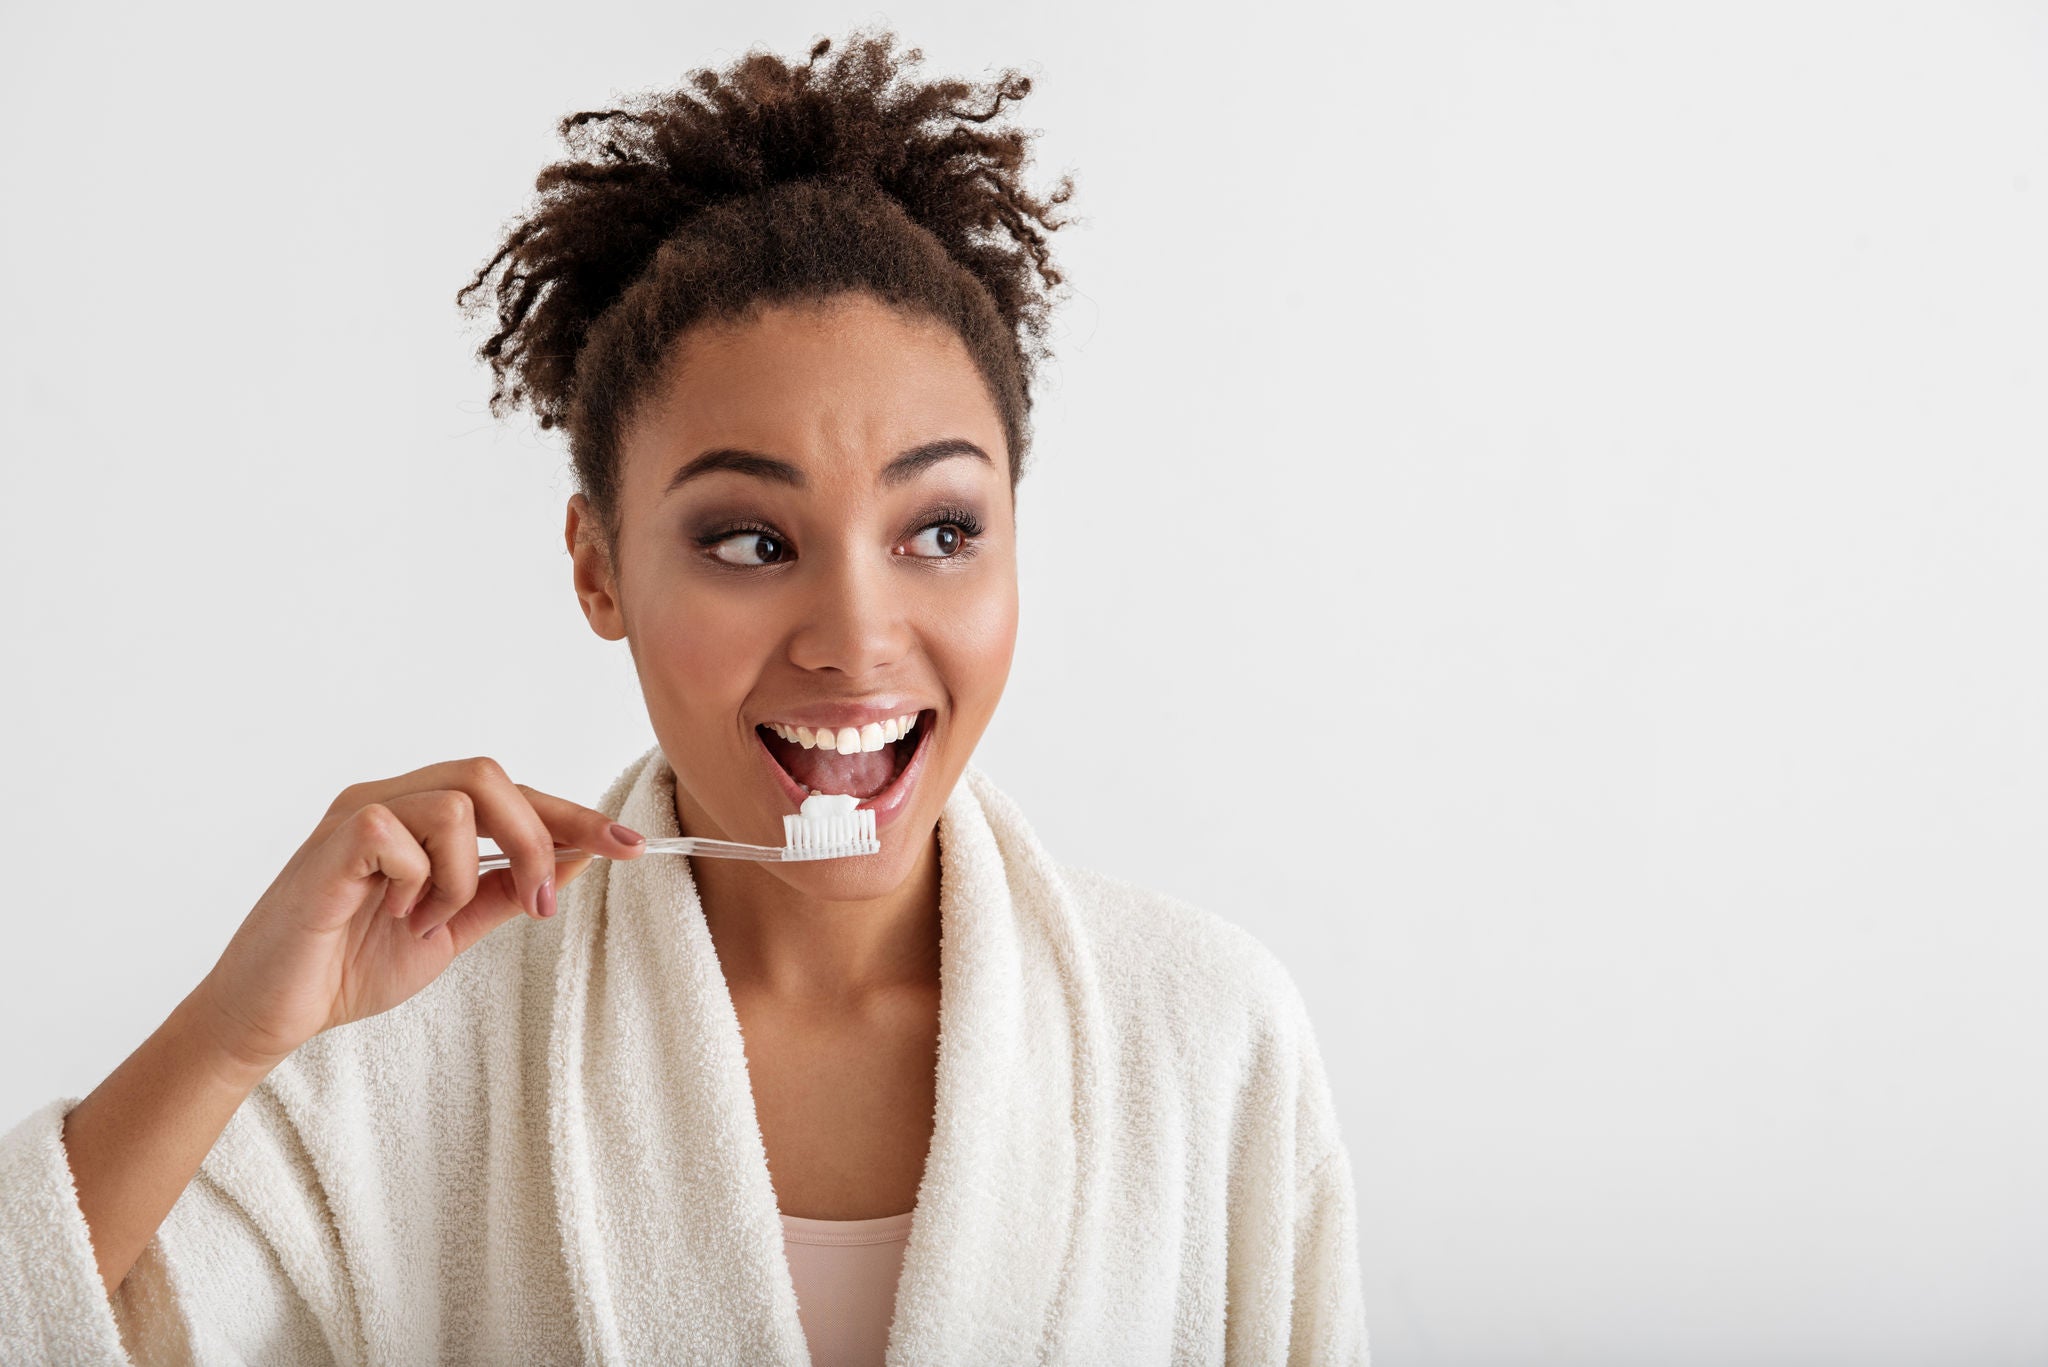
[771,183]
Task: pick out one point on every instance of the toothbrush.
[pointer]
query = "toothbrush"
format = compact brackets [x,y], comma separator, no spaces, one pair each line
[828,827]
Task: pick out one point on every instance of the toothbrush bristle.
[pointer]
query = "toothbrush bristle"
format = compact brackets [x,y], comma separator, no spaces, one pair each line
[817,837]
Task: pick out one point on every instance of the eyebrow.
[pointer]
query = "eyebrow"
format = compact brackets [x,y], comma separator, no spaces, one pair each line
[897,471]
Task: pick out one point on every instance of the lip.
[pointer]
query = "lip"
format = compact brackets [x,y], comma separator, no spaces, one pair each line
[885,804]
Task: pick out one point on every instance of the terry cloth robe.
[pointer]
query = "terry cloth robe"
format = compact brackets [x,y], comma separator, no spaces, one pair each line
[550,1154]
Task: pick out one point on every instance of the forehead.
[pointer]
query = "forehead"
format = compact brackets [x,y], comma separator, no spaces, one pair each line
[844,384]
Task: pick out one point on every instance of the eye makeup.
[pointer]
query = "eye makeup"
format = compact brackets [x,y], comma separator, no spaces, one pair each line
[720,529]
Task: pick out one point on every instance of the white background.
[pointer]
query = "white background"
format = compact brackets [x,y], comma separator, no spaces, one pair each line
[1539,514]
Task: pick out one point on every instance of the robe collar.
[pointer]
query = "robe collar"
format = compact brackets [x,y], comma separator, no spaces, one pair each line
[671,1234]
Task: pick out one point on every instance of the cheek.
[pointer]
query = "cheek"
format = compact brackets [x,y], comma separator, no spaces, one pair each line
[698,653]
[979,639]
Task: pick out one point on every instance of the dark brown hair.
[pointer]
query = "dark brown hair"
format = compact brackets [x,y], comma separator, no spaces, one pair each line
[768,183]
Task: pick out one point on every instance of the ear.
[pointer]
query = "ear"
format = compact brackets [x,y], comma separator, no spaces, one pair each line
[596,588]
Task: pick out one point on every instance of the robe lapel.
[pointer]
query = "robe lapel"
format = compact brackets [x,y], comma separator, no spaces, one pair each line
[661,1178]
[668,1215]
[1012,1172]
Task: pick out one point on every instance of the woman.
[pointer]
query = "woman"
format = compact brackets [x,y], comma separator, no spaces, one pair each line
[955,1102]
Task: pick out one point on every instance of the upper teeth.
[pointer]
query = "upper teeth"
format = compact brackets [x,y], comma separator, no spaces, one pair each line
[873,736]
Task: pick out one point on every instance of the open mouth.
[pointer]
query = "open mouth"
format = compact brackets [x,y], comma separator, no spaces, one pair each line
[865,774]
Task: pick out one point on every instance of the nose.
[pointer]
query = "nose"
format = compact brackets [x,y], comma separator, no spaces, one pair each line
[853,615]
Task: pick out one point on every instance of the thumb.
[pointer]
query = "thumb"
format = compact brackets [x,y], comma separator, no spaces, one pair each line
[484,915]
[485,912]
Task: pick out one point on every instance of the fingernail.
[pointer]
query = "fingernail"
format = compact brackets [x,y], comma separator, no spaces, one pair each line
[626,834]
[547,898]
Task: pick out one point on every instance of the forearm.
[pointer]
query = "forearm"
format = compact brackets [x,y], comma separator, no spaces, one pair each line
[138,1140]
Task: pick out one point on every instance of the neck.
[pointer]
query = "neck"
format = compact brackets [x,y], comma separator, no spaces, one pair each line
[776,941]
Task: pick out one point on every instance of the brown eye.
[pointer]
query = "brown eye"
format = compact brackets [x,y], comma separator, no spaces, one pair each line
[947,537]
[753,541]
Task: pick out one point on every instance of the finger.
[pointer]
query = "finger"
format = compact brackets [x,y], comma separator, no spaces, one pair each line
[496,809]
[443,822]
[483,916]
[568,823]
[584,828]
[474,776]
[373,840]
[505,815]
[568,871]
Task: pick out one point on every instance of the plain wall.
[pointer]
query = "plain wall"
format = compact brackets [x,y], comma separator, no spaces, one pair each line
[1539,513]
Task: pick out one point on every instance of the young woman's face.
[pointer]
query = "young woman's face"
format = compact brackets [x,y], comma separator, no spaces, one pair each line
[844,552]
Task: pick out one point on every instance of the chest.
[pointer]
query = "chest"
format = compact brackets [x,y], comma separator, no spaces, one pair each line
[845,1103]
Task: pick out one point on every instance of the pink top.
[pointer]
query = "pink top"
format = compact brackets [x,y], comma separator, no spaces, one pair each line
[845,1273]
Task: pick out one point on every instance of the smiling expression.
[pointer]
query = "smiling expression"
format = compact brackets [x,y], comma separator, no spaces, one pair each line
[817,528]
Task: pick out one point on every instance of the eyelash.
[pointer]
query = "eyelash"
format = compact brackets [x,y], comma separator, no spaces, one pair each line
[968,524]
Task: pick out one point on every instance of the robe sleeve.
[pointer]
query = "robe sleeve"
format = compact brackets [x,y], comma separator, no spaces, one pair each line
[1326,1319]
[210,1286]
[1329,1290]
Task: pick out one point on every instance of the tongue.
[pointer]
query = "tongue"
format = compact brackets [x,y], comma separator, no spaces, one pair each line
[862,773]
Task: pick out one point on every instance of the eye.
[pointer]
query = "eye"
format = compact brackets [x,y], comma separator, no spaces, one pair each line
[948,537]
[954,533]
[753,540]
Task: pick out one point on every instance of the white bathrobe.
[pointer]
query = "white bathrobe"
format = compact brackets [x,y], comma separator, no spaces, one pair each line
[550,1155]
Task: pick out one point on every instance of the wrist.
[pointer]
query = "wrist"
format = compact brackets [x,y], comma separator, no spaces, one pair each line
[211,1036]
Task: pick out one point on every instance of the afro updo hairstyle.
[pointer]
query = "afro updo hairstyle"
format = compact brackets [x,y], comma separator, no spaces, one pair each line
[769,183]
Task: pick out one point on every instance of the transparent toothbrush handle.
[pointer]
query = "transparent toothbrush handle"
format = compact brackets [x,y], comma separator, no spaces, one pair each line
[681,844]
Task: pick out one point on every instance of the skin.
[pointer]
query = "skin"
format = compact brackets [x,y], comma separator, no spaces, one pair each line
[833,965]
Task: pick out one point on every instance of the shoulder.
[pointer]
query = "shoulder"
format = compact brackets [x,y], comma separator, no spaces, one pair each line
[1204,996]
[1153,952]
[1166,952]
[1198,1005]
